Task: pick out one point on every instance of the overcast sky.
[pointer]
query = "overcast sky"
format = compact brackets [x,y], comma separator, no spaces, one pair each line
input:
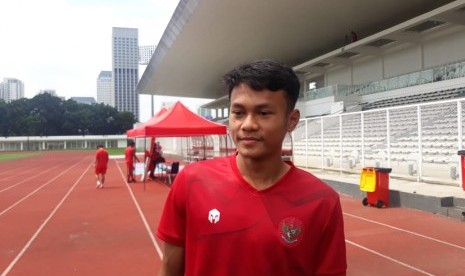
[64,44]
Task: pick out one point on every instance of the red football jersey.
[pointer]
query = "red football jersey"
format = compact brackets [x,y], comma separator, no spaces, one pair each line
[129,154]
[293,228]
[102,158]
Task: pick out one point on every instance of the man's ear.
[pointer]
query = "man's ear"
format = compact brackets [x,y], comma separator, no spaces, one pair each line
[294,118]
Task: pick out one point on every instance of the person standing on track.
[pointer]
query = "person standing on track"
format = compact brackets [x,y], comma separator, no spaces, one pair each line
[130,156]
[251,213]
[157,158]
[101,164]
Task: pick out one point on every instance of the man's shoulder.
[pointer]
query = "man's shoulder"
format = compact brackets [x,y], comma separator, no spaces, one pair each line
[215,164]
[306,175]
[306,183]
[218,161]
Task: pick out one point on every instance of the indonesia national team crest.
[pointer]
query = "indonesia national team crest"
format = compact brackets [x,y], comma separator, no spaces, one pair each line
[291,231]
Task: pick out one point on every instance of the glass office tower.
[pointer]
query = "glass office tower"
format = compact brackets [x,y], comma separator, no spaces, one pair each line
[125,69]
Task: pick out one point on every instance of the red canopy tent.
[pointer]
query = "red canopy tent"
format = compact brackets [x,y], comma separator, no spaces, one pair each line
[140,130]
[177,121]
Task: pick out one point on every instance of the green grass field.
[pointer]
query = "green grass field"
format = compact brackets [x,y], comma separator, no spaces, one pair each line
[112,151]
[19,155]
[116,151]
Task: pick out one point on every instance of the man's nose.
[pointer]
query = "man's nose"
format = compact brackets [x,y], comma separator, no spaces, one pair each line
[249,122]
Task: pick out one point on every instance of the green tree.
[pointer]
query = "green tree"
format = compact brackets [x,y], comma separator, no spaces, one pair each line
[46,115]
[71,119]
[3,118]
[49,111]
[124,121]
[15,117]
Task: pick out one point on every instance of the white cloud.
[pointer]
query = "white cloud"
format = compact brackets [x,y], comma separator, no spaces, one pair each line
[55,42]
[64,44]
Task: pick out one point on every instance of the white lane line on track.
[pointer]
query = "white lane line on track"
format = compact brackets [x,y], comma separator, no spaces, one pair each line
[35,191]
[15,174]
[141,214]
[19,168]
[389,258]
[406,231]
[26,179]
[41,227]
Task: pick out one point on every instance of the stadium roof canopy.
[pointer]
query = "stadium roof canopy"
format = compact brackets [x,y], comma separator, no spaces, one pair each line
[206,38]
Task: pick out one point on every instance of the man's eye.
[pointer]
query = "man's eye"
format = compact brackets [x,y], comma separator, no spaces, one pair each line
[236,113]
[264,113]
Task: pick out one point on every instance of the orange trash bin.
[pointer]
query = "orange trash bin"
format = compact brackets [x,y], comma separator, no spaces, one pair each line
[377,188]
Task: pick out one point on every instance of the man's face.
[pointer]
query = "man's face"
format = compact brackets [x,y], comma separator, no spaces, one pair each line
[259,121]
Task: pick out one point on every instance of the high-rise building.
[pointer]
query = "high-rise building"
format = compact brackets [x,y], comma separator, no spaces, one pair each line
[52,92]
[84,100]
[145,53]
[125,69]
[11,89]
[104,89]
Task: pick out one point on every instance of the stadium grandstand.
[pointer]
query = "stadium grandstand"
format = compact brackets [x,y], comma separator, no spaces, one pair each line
[382,82]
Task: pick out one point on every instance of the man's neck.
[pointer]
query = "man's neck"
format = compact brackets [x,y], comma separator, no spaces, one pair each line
[261,174]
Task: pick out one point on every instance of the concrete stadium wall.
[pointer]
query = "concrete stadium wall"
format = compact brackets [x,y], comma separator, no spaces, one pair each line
[25,143]
[367,70]
[445,48]
[339,75]
[434,50]
[315,107]
[401,61]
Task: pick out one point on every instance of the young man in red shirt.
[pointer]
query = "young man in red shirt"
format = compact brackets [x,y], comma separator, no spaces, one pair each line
[130,155]
[251,213]
[101,163]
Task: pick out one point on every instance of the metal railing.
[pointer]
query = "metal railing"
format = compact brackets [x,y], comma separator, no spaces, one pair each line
[440,73]
[419,142]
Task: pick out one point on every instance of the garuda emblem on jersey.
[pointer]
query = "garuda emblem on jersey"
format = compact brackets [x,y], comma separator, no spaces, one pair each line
[291,231]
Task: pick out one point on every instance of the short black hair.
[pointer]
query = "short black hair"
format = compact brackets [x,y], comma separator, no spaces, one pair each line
[99,146]
[265,74]
[131,143]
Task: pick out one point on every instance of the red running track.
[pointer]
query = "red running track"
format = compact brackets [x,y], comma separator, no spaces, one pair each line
[53,221]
